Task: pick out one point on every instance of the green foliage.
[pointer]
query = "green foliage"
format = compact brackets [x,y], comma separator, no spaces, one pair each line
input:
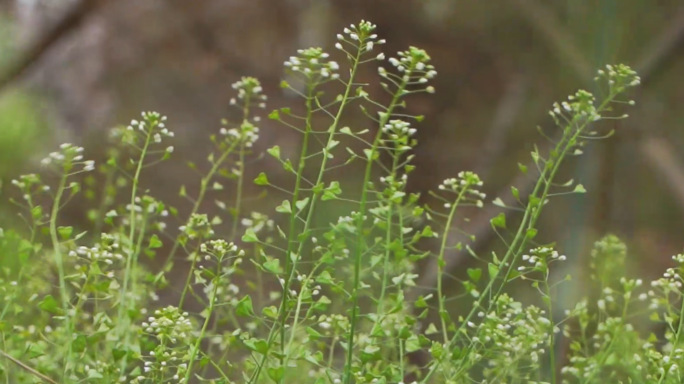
[300,297]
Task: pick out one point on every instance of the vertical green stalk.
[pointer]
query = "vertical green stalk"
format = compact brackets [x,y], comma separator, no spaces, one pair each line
[132,256]
[552,335]
[205,325]
[358,252]
[59,261]
[441,262]
[292,232]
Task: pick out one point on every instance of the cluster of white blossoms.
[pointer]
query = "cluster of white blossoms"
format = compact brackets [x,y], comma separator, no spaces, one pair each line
[247,134]
[579,108]
[198,226]
[360,37]
[466,184]
[67,158]
[396,129]
[249,91]
[153,124]
[108,250]
[414,69]
[169,325]
[539,258]
[313,63]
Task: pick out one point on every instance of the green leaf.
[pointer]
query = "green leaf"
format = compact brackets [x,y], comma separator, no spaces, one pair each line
[427,232]
[522,168]
[274,151]
[315,335]
[79,344]
[332,191]
[65,232]
[499,221]
[413,344]
[250,236]
[531,233]
[274,115]
[262,179]
[301,204]
[182,192]
[284,207]
[273,266]
[474,274]
[276,374]
[421,302]
[257,345]
[493,270]
[271,312]
[324,278]
[346,131]
[154,242]
[579,188]
[49,304]
[244,307]
[515,192]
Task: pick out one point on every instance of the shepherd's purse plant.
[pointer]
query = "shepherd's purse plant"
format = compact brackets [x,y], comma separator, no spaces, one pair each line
[320,287]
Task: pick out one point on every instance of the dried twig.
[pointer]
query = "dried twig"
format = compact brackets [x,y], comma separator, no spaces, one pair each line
[27,368]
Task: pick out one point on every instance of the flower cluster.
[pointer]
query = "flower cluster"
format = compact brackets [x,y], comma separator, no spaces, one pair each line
[68,157]
[464,185]
[514,338]
[578,109]
[313,64]
[249,91]
[30,185]
[246,135]
[152,128]
[398,133]
[361,37]
[168,360]
[619,77]
[539,259]
[107,252]
[198,227]
[413,69]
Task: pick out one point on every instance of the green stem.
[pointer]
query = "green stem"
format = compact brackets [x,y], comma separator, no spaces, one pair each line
[347,377]
[441,263]
[204,184]
[132,256]
[205,325]
[59,261]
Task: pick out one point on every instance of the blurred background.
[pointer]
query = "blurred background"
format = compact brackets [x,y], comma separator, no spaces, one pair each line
[70,70]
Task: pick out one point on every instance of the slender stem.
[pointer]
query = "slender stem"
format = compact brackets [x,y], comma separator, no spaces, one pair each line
[205,325]
[204,184]
[441,262]
[347,378]
[132,255]
[59,261]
